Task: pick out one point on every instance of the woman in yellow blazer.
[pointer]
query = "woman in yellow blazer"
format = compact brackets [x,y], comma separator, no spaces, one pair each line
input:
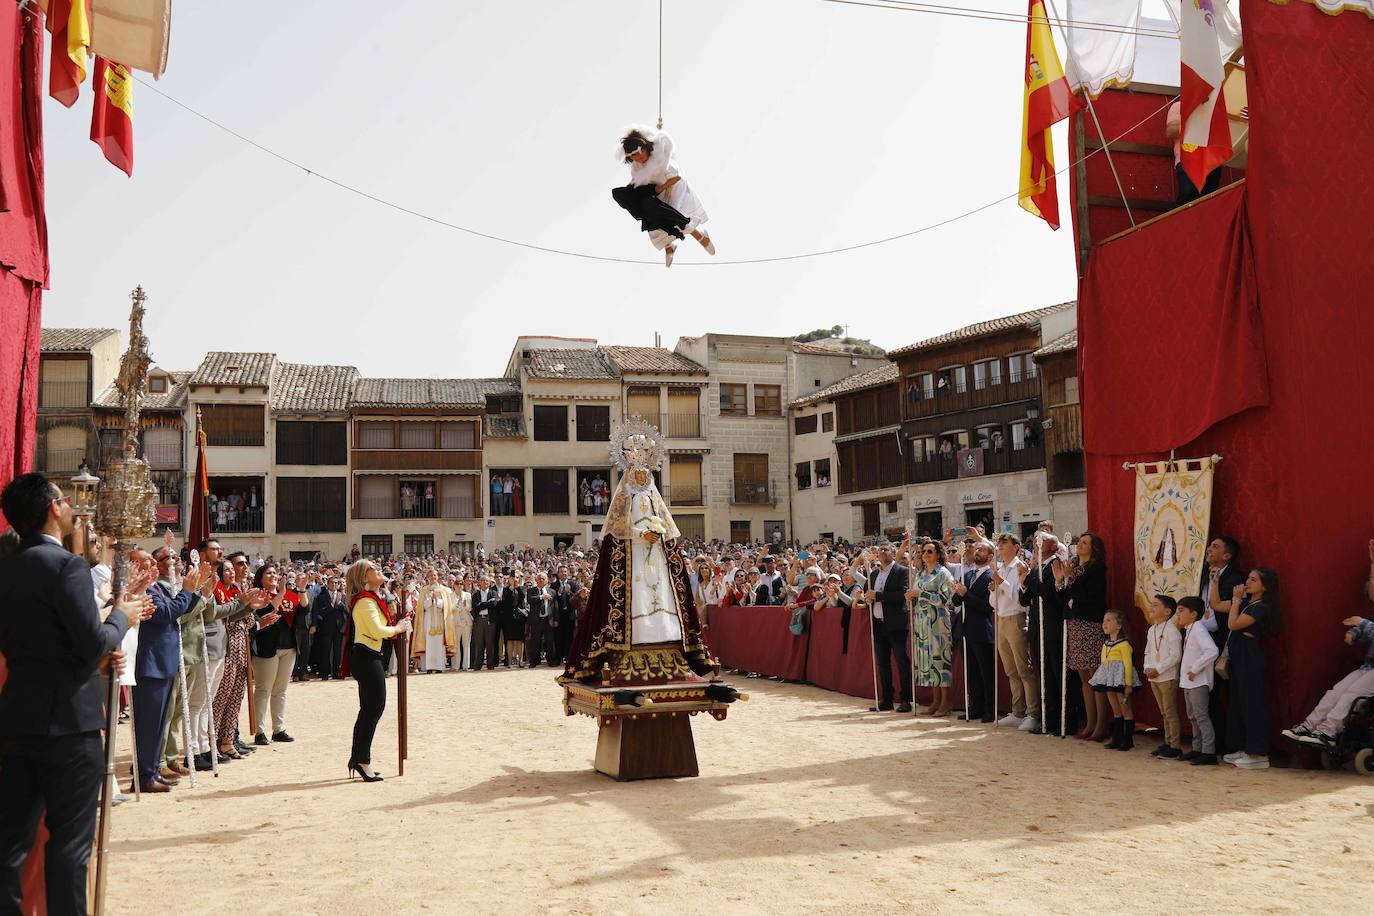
[369,626]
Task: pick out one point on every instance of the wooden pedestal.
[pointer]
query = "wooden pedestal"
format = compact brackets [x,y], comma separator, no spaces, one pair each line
[646,747]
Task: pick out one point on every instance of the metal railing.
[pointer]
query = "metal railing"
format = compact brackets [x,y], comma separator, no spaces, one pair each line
[754,493]
[674,425]
[684,495]
[240,521]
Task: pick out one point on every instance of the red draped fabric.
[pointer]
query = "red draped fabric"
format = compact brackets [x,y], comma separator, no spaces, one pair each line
[757,639]
[23,277]
[1182,322]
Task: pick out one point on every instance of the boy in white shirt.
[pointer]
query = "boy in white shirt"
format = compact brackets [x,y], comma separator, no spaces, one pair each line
[1199,653]
[1163,653]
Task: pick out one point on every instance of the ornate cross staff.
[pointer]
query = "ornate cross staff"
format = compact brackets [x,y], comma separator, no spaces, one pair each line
[126,510]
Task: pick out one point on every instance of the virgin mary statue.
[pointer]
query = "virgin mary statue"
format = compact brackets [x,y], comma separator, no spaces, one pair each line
[641,624]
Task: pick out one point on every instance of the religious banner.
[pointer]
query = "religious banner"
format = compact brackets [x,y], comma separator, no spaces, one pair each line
[1173,509]
[970,462]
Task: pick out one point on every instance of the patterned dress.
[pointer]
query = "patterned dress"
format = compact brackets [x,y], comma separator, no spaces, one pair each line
[931,635]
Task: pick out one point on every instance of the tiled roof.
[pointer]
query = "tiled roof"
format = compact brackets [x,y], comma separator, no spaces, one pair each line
[72,340]
[429,392]
[224,368]
[817,349]
[983,328]
[653,359]
[1059,345]
[174,398]
[574,364]
[885,374]
[506,426]
[303,388]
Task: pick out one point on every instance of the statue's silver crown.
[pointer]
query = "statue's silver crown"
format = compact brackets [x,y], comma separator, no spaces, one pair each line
[637,443]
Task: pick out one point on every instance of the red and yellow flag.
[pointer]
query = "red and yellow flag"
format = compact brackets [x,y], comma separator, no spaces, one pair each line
[70,24]
[1048,99]
[112,114]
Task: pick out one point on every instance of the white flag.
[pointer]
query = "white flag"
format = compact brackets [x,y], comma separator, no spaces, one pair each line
[1100,58]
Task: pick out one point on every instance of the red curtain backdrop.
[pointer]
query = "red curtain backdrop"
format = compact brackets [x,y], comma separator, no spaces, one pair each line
[1176,345]
[23,277]
[757,639]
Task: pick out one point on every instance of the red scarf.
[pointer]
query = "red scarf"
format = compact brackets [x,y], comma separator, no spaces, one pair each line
[348,625]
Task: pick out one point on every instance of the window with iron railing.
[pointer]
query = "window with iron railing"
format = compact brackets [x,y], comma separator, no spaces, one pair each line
[1021,367]
[162,447]
[63,449]
[238,505]
[63,383]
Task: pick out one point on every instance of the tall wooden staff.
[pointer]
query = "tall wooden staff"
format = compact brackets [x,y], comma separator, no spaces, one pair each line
[1040,622]
[126,511]
[402,665]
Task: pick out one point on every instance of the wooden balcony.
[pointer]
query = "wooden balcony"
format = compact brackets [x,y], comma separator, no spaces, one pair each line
[942,467]
[957,400]
[413,459]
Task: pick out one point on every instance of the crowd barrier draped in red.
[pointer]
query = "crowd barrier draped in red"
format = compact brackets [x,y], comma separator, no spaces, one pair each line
[1182,321]
[757,639]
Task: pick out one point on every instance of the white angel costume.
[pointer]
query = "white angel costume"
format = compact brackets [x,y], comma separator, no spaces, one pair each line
[657,169]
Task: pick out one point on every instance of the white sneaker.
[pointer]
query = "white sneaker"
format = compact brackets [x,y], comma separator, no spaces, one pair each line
[1252,762]
[1233,757]
[1010,720]
[1030,724]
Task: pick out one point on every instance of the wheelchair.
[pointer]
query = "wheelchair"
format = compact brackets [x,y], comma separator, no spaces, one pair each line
[1356,740]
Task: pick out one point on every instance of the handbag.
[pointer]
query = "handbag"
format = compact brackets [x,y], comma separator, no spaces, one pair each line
[1223,667]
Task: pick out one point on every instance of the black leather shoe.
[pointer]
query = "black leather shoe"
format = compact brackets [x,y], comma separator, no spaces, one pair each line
[1204,760]
[260,740]
[282,736]
[881,707]
[202,762]
[905,707]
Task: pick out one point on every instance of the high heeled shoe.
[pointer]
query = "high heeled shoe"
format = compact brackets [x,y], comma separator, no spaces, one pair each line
[367,777]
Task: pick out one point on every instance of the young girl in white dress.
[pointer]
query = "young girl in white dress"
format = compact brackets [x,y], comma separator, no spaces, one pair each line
[649,154]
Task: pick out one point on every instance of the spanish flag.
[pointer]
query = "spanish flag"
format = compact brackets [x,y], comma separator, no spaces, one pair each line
[1048,99]
[112,114]
[70,24]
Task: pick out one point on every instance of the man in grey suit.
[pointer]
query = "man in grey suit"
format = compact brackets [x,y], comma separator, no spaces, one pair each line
[56,643]
[485,632]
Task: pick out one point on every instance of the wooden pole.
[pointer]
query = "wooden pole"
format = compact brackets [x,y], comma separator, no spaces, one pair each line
[402,665]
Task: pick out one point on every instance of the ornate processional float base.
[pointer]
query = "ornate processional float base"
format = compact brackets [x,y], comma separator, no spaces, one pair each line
[644,727]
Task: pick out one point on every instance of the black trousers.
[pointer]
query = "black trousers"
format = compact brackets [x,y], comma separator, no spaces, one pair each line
[326,648]
[304,662]
[978,669]
[1051,696]
[368,672]
[887,646]
[61,774]
[1247,722]
[539,644]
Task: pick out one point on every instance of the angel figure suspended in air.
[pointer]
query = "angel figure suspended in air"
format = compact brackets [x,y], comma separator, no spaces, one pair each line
[657,195]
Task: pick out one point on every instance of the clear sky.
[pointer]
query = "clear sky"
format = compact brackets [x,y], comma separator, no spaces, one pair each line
[803,125]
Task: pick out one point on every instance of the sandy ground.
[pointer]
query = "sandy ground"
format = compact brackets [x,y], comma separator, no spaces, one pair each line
[806,802]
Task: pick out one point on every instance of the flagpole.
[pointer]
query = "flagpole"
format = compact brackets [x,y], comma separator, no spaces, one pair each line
[1102,136]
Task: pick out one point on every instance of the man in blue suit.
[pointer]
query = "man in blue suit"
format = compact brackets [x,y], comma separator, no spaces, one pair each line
[52,707]
[973,630]
[159,657]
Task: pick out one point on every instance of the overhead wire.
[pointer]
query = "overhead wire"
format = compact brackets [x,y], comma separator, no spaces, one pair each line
[586,256]
[964,12]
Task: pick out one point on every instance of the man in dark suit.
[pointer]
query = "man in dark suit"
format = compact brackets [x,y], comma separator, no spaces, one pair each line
[973,630]
[539,643]
[52,706]
[485,635]
[330,610]
[159,660]
[1036,589]
[891,628]
[1220,576]
[564,617]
